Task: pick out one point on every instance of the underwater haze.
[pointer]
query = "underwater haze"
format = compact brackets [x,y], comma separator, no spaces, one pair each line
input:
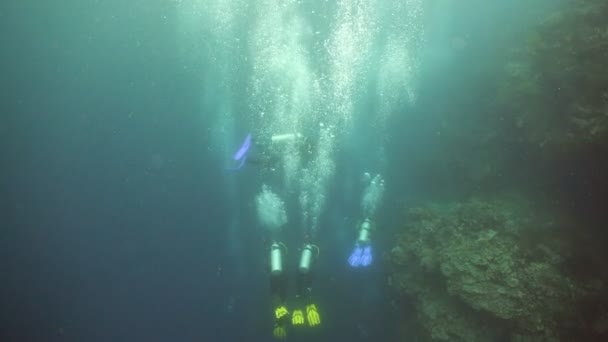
[383,170]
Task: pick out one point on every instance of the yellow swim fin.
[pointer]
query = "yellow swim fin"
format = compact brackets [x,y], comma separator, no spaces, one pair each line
[297,317]
[279,332]
[280,312]
[312,315]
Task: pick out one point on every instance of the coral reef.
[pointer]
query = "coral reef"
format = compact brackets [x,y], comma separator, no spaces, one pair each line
[554,87]
[501,269]
[486,271]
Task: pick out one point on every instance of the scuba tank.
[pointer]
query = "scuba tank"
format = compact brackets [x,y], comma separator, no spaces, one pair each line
[276,259]
[306,257]
[284,137]
[364,231]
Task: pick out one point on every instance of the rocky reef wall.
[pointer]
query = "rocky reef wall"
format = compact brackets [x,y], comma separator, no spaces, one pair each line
[521,255]
[491,270]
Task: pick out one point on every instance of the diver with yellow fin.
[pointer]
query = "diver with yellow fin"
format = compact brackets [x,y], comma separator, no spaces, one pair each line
[273,217]
[278,288]
[304,279]
[306,312]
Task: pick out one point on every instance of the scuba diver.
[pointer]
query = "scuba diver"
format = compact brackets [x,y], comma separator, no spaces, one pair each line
[362,253]
[305,310]
[267,157]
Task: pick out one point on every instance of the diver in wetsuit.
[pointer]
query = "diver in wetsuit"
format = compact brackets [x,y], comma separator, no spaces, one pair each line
[304,279]
[268,154]
[279,286]
[278,290]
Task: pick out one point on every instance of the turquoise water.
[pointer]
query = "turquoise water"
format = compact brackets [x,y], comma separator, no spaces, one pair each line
[121,120]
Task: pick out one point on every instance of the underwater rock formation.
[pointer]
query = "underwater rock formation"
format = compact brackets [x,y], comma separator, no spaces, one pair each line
[486,271]
[555,87]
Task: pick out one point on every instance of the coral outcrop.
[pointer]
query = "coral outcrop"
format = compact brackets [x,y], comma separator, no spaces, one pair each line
[485,271]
